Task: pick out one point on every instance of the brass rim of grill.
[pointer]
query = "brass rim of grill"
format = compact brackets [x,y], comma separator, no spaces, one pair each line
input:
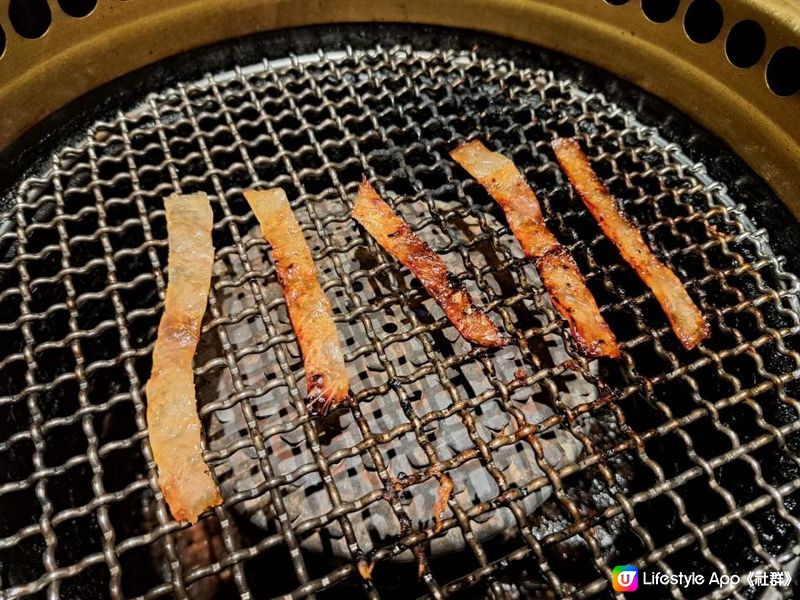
[685,52]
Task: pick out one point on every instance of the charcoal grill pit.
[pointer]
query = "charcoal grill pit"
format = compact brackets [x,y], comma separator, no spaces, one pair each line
[674,460]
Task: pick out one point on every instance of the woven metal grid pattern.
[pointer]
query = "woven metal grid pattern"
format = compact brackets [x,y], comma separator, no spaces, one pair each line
[667,458]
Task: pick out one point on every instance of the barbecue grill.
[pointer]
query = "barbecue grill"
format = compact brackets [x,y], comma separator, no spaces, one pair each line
[563,468]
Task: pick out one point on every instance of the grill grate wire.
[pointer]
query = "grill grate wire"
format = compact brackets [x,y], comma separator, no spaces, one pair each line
[702,447]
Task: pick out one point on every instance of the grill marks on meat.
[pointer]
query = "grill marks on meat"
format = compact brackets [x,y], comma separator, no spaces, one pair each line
[556,267]
[687,321]
[173,424]
[309,309]
[572,299]
[396,237]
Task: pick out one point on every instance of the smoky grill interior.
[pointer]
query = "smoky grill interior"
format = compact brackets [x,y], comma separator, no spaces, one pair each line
[678,460]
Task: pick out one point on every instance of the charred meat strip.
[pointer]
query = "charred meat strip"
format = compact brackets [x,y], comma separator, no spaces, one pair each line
[687,321]
[173,424]
[442,499]
[396,237]
[309,309]
[556,267]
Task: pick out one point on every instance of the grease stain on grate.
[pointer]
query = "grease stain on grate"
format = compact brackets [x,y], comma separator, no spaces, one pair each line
[556,478]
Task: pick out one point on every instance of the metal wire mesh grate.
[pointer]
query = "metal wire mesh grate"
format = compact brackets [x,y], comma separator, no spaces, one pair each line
[562,468]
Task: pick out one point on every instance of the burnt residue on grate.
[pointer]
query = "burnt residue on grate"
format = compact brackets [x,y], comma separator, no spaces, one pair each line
[560,468]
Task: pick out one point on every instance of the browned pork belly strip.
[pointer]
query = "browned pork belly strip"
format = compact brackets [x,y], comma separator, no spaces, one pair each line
[687,321]
[174,427]
[396,237]
[556,267]
[309,309]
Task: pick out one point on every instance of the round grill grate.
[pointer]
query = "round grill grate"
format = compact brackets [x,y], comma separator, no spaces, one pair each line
[562,468]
